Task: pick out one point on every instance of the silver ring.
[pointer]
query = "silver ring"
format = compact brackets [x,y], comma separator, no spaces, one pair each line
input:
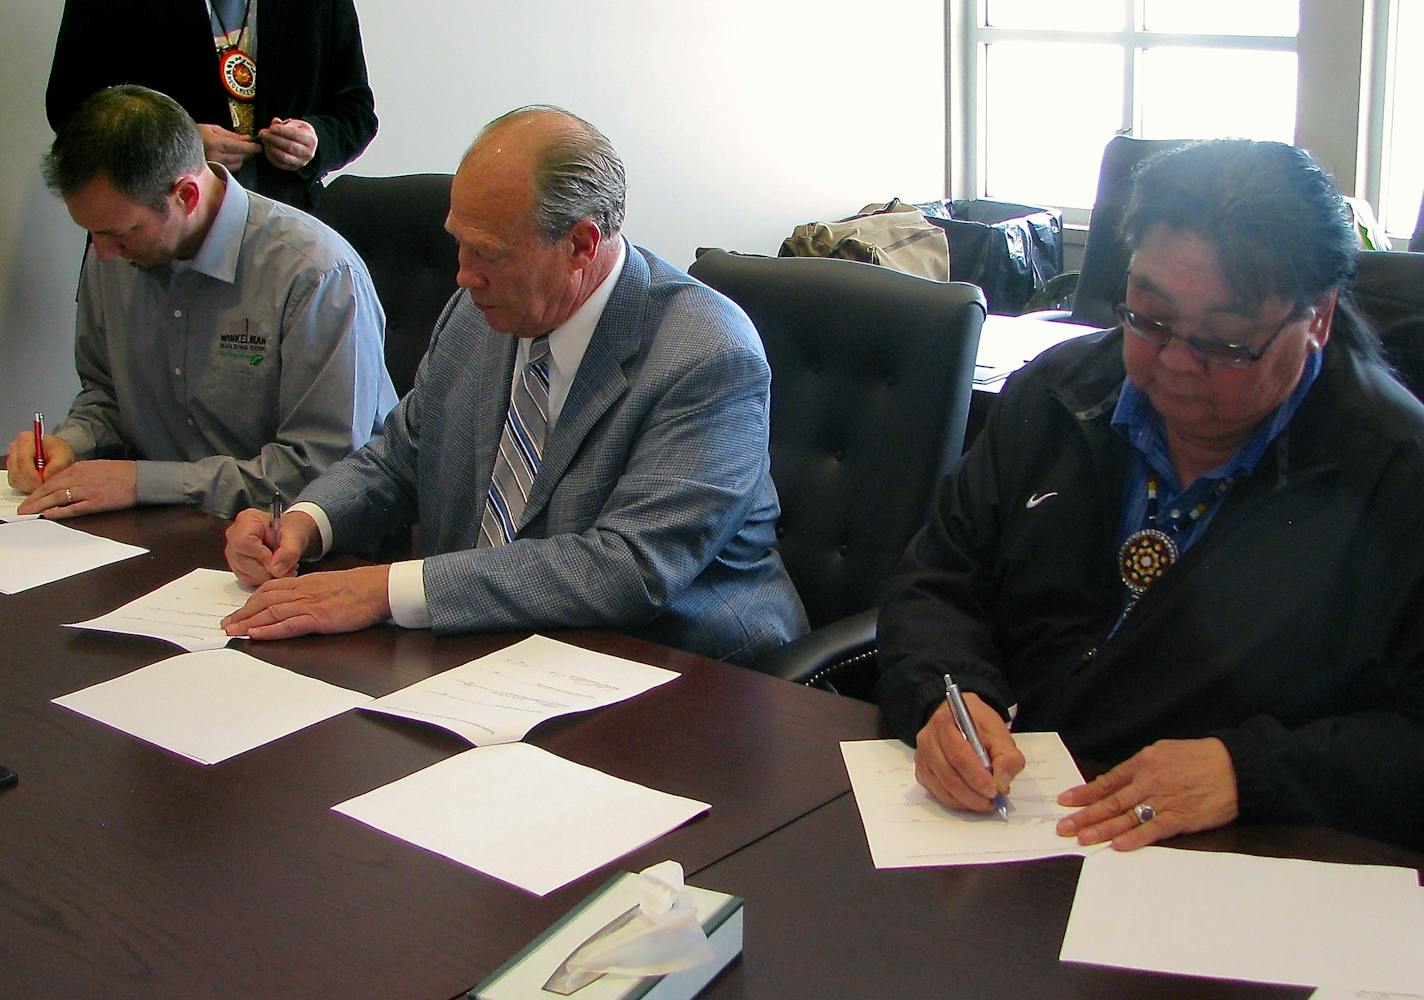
[1143,812]
[68,496]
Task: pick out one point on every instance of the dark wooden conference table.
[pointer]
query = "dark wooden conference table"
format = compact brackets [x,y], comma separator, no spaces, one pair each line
[126,871]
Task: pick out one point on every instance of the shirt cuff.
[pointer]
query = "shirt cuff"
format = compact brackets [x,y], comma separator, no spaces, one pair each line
[405,589]
[160,482]
[323,525]
[79,439]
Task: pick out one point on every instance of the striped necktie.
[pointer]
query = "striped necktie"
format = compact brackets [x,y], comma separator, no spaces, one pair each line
[521,449]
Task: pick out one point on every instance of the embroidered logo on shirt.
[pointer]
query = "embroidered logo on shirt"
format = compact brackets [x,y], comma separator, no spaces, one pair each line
[1037,499]
[247,347]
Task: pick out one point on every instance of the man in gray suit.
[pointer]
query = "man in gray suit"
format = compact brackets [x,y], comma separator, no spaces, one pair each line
[585,444]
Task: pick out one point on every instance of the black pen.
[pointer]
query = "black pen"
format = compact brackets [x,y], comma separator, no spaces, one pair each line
[960,711]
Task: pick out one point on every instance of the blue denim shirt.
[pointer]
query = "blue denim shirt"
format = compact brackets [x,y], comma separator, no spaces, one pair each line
[1136,420]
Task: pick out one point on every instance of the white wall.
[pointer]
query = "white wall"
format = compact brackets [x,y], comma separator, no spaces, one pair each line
[736,120]
[39,247]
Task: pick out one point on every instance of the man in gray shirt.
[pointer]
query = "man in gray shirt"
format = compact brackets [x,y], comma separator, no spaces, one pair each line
[234,350]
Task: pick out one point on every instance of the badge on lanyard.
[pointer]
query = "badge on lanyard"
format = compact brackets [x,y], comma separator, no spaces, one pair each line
[239,74]
[237,69]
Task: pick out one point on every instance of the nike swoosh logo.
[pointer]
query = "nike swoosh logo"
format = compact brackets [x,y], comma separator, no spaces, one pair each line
[1037,499]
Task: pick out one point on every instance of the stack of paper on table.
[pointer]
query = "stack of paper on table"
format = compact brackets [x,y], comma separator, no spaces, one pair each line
[1279,920]
[38,552]
[186,612]
[521,814]
[906,828]
[500,697]
[511,810]
[212,705]
[10,500]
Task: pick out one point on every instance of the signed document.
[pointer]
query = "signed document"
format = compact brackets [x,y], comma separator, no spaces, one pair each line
[186,612]
[906,828]
[500,697]
[10,500]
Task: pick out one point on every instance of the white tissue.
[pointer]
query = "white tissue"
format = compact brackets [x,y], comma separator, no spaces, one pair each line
[664,937]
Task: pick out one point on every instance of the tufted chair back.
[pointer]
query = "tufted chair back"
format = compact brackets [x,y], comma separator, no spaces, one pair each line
[871,372]
[1389,290]
[397,225]
[1104,273]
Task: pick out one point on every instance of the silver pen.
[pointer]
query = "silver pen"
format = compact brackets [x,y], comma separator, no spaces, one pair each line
[960,711]
[278,509]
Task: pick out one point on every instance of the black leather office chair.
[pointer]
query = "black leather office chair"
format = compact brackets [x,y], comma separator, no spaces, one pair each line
[872,372]
[397,226]
[1389,290]
[1103,277]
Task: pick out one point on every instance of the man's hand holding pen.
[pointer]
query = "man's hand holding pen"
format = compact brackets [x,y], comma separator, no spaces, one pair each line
[258,550]
[20,462]
[1170,787]
[949,769]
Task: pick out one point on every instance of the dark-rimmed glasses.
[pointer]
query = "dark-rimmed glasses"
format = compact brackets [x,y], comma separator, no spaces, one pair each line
[1208,349]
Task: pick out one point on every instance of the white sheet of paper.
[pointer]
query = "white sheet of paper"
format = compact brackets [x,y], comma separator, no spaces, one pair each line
[38,552]
[212,705]
[906,828]
[1009,341]
[500,697]
[521,814]
[1276,920]
[10,499]
[185,612]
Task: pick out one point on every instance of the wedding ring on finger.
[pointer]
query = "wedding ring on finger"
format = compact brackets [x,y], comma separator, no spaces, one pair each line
[1143,812]
[68,496]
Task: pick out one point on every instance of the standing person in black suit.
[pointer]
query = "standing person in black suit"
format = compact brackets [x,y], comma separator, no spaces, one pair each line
[278,90]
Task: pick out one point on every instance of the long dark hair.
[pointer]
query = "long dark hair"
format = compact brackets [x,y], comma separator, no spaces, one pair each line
[1279,226]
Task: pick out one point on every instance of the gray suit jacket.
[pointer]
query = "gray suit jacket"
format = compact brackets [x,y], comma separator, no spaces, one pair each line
[654,512]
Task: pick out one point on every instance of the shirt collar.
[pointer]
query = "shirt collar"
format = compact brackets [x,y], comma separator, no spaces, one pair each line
[1136,420]
[569,340]
[217,256]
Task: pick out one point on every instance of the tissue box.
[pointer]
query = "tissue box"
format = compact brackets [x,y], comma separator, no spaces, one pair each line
[524,975]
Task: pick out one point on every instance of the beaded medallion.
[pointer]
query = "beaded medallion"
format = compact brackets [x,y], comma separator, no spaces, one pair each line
[1145,557]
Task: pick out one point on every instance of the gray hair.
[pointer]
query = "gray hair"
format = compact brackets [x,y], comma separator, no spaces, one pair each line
[577,175]
[140,139]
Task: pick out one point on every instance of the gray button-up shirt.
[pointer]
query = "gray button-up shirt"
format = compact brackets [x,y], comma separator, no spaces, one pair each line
[249,368]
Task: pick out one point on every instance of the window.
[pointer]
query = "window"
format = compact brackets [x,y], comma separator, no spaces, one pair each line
[1054,81]
[1401,176]
[1043,85]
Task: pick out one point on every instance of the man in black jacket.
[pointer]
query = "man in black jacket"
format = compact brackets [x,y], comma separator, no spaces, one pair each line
[278,90]
[1194,544]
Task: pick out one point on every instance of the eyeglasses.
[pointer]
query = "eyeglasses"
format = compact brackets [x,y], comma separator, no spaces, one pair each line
[1209,349]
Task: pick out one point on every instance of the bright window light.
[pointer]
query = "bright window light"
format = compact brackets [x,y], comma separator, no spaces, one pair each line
[1041,158]
[1201,93]
[1080,15]
[1404,163]
[1223,17]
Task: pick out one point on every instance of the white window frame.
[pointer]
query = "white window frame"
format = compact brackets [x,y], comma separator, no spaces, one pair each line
[1379,109]
[1339,92]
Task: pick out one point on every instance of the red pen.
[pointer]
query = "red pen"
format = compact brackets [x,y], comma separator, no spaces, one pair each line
[39,444]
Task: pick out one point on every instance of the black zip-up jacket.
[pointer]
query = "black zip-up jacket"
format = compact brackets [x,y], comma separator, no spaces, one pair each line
[1293,629]
[310,65]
